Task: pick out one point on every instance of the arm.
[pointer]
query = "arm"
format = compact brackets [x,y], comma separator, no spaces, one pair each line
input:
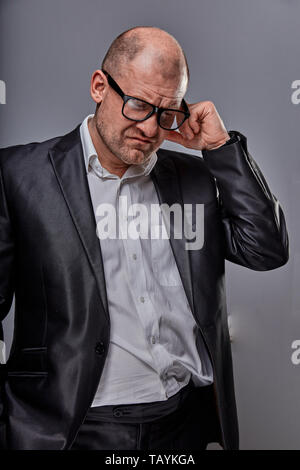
[6,276]
[254,225]
[6,256]
[253,221]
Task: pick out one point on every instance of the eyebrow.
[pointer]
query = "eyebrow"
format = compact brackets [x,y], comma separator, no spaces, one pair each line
[170,106]
[117,88]
[175,103]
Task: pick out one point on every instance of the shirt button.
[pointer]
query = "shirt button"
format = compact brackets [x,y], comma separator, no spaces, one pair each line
[153,339]
[142,299]
[134,256]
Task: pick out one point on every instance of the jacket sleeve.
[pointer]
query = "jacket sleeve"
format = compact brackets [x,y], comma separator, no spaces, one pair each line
[6,275]
[254,225]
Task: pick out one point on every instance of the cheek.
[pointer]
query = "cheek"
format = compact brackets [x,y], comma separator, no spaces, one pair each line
[109,114]
[114,124]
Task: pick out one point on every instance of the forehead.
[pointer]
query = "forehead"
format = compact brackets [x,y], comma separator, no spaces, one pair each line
[148,82]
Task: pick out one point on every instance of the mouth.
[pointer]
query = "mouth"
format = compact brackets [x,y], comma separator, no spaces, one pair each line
[143,141]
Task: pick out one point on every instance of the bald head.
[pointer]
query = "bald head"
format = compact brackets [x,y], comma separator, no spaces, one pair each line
[152,49]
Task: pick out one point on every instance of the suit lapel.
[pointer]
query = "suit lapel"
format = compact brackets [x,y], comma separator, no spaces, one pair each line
[167,185]
[68,163]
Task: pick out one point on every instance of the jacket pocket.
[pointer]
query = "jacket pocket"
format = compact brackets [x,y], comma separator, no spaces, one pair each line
[34,350]
[28,362]
[21,373]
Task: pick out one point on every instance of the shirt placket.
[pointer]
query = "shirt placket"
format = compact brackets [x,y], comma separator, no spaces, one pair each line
[137,281]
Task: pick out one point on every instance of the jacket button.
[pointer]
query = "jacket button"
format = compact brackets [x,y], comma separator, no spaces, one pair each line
[100,348]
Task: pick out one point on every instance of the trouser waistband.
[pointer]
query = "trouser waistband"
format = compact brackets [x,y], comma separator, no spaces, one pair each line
[145,412]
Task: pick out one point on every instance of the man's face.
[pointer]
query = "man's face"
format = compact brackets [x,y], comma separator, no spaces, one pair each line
[134,142]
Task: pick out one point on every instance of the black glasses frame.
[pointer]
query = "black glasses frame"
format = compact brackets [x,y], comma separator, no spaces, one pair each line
[155,109]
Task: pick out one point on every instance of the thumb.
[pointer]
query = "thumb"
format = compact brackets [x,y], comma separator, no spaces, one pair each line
[174,136]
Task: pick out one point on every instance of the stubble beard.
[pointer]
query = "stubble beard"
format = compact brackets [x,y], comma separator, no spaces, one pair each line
[116,145]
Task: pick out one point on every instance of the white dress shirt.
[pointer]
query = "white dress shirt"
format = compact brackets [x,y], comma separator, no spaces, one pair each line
[152,352]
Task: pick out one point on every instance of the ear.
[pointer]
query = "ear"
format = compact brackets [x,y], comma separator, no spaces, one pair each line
[99,86]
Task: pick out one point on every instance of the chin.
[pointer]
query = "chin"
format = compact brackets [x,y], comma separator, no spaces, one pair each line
[136,157]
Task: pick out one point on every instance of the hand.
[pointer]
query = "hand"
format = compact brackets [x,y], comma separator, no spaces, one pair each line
[203,130]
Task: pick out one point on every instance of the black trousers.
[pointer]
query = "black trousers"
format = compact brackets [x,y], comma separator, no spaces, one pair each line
[186,421]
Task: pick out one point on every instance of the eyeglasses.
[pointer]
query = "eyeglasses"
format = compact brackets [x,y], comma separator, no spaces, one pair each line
[139,110]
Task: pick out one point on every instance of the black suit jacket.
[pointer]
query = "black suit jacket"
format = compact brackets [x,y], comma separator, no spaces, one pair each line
[51,259]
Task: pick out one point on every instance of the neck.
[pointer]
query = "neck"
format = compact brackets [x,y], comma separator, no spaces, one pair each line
[107,159]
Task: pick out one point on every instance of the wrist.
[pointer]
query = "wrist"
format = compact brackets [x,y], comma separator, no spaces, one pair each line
[220,142]
[232,137]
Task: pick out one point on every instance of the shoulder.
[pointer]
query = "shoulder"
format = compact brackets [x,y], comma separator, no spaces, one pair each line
[181,158]
[185,163]
[33,151]
[15,151]
[192,172]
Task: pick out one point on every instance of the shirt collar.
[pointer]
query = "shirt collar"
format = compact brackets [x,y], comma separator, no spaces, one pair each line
[91,159]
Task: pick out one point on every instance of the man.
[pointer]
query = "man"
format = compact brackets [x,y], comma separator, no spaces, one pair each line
[122,342]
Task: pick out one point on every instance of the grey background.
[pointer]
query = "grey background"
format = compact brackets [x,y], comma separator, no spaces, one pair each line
[244,56]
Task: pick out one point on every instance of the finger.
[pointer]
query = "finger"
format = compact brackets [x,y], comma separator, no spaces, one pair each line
[174,136]
[187,131]
[194,124]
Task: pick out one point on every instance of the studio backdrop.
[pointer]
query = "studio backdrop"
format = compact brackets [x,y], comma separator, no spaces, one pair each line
[244,56]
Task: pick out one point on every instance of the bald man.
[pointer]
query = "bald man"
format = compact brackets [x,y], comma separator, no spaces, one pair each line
[115,251]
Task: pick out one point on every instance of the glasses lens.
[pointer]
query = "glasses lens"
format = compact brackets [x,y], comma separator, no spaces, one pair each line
[136,109]
[171,119]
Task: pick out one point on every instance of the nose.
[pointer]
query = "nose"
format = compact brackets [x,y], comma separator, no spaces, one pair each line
[149,127]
